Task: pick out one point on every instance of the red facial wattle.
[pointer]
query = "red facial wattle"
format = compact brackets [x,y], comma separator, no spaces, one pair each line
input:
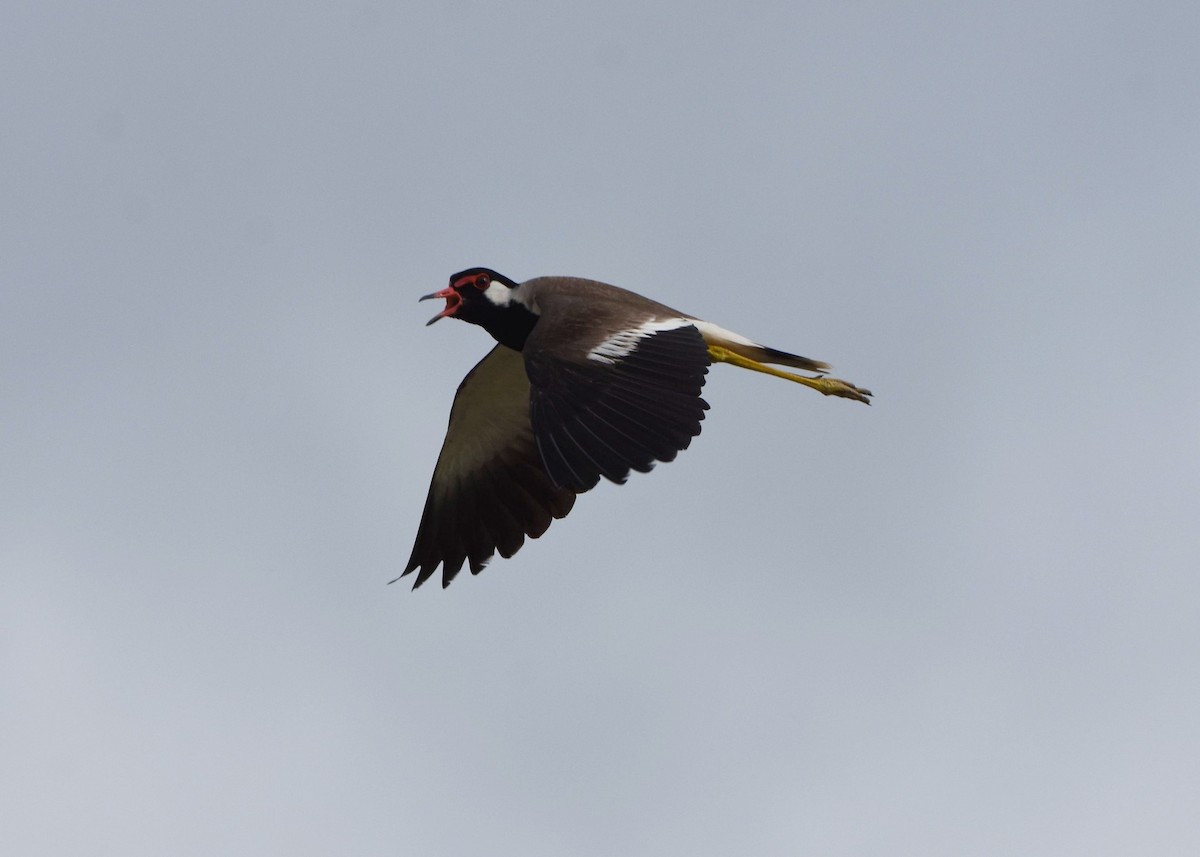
[453,301]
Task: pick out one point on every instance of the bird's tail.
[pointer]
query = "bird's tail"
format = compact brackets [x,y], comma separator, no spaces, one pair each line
[725,346]
[763,354]
[751,350]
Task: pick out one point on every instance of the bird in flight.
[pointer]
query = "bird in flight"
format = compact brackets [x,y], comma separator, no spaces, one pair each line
[586,380]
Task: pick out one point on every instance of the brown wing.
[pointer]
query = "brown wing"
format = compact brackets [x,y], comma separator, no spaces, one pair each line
[624,400]
[489,489]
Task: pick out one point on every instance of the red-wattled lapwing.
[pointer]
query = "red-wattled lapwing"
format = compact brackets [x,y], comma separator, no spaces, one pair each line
[587,380]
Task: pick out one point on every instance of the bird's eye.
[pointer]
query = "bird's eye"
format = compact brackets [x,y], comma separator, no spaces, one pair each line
[481,282]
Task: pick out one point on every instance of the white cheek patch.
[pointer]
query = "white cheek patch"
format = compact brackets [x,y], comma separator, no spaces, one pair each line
[498,293]
[623,342]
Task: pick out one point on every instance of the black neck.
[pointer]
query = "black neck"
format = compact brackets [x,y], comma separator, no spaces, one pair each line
[510,325]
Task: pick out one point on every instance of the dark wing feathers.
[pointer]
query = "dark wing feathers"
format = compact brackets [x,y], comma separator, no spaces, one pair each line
[596,418]
[489,489]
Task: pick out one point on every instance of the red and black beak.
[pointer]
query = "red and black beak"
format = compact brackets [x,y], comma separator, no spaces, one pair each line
[453,301]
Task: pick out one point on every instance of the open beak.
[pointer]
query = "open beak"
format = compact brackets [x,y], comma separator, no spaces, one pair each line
[453,299]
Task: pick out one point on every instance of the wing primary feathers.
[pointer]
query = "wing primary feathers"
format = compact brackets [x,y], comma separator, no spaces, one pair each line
[579,461]
[611,467]
[597,418]
[490,488]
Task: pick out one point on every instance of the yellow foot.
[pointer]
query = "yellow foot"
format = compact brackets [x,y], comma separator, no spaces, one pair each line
[838,387]
[823,385]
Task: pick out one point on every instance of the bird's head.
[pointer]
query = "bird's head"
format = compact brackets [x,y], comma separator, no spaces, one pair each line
[474,295]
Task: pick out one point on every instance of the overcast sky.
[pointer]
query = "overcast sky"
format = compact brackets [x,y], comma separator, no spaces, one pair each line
[965,620]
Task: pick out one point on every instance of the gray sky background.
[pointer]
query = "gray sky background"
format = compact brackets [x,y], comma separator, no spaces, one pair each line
[963,621]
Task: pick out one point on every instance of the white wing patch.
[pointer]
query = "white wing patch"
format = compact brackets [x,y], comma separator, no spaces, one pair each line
[623,342]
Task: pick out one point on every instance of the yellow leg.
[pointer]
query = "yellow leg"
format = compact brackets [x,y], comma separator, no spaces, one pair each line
[825,386]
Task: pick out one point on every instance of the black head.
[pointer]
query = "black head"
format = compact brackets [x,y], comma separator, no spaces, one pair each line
[473,295]
[490,300]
